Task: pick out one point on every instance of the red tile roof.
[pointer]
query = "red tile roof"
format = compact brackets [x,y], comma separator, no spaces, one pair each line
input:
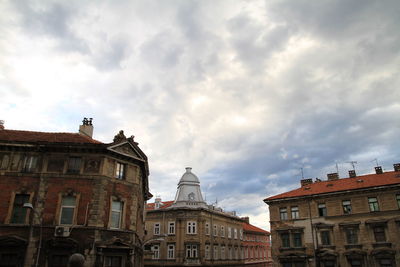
[29,136]
[252,228]
[359,182]
[165,204]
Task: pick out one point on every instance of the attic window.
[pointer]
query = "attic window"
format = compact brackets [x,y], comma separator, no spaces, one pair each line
[360,181]
[307,188]
[329,185]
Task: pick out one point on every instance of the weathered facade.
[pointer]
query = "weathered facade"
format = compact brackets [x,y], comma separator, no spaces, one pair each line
[188,232]
[85,197]
[257,246]
[353,221]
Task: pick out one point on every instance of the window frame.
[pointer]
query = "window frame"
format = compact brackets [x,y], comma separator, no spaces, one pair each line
[65,207]
[326,238]
[294,212]
[346,206]
[351,234]
[296,236]
[283,214]
[398,200]
[170,252]
[222,231]
[74,165]
[215,230]
[191,228]
[157,228]
[120,170]
[30,163]
[155,248]
[171,227]
[207,252]
[373,204]
[121,213]
[17,207]
[379,236]
[191,251]
[322,210]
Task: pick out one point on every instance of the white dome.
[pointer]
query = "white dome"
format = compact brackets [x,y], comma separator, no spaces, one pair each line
[188,176]
[188,193]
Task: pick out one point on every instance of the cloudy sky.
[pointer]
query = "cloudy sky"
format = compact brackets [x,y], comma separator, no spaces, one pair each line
[245,92]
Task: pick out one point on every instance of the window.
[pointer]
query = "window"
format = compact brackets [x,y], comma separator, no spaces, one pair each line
[241,234]
[398,200]
[379,233]
[346,206]
[373,204]
[297,240]
[283,213]
[191,228]
[230,253]
[60,260]
[120,170]
[113,261]
[229,232]
[55,165]
[215,252]
[322,210]
[355,263]
[67,210]
[29,163]
[295,212]
[156,252]
[235,233]
[74,165]
[325,238]
[191,251]
[285,238]
[222,252]
[116,214]
[222,231]
[19,212]
[171,228]
[351,236]
[215,233]
[207,252]
[4,161]
[157,228]
[171,251]
[207,228]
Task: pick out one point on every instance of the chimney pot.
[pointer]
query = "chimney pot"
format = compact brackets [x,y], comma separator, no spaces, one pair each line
[86,128]
[352,173]
[305,182]
[332,176]
[396,167]
[378,170]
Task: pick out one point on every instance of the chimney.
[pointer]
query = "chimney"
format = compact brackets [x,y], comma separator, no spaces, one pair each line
[396,167]
[378,170]
[305,182]
[352,173]
[86,128]
[333,176]
[246,219]
[1,125]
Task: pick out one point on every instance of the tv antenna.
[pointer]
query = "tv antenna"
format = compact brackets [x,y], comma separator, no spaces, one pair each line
[376,161]
[302,173]
[352,162]
[337,167]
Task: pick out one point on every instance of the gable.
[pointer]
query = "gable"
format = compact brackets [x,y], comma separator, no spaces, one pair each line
[126,149]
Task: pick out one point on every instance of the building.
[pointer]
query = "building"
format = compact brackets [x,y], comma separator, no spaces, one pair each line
[257,246]
[65,193]
[353,221]
[188,232]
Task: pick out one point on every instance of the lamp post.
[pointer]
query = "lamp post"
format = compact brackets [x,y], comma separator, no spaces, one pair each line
[30,206]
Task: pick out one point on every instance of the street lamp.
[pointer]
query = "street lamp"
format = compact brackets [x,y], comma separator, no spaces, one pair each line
[30,206]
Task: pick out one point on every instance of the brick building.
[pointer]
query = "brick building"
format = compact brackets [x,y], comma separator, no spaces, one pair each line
[85,197]
[352,221]
[257,246]
[188,232]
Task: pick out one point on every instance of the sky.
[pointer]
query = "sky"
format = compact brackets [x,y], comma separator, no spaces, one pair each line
[247,93]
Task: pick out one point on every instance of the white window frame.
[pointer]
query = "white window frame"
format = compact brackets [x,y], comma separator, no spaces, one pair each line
[235,234]
[241,234]
[191,228]
[171,228]
[222,252]
[215,230]
[156,252]
[62,207]
[171,251]
[207,252]
[222,231]
[113,211]
[207,228]
[215,252]
[120,169]
[191,251]
[157,228]
[229,232]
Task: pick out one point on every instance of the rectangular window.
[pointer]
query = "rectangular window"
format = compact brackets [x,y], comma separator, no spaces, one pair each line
[171,228]
[398,200]
[295,212]
[215,252]
[325,238]
[235,236]
[207,228]
[373,204]
[283,213]
[215,233]
[230,253]
[322,212]
[157,228]
[30,163]
[285,238]
[346,206]
[207,252]
[379,233]
[67,210]
[19,212]
[156,252]
[229,232]
[191,251]
[120,170]
[297,240]
[4,161]
[222,252]
[241,234]
[74,165]
[191,228]
[116,214]
[112,261]
[351,236]
[55,165]
[171,251]
[222,231]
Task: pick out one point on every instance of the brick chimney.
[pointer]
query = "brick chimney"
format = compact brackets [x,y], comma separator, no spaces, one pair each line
[378,170]
[305,182]
[1,125]
[332,176]
[86,128]
[396,167]
[246,219]
[352,173]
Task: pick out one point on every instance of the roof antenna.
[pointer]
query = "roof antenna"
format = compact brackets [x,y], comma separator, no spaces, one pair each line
[352,162]
[376,161]
[337,167]
[302,173]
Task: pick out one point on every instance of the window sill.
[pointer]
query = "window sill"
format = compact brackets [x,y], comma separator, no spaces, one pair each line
[327,246]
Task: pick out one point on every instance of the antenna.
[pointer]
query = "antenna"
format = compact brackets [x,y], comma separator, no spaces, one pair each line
[376,161]
[337,167]
[352,162]
[302,173]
